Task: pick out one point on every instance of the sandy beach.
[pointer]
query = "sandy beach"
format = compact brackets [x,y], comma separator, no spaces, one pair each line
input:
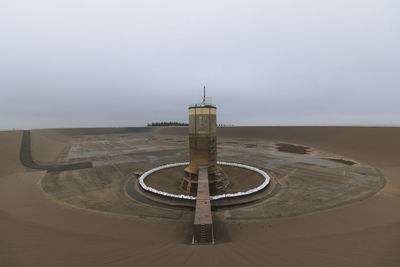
[35,230]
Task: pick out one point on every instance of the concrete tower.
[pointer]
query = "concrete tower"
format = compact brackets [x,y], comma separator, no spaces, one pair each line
[203,148]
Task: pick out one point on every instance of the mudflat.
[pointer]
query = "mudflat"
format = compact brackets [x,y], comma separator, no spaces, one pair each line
[37,229]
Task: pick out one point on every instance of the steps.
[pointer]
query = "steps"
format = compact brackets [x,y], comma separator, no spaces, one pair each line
[203,235]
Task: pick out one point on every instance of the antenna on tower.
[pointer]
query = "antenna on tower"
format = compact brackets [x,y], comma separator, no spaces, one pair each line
[204,95]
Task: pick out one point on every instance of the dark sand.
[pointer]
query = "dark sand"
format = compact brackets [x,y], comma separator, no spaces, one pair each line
[37,231]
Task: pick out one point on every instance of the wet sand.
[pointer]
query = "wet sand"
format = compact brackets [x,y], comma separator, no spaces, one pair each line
[37,231]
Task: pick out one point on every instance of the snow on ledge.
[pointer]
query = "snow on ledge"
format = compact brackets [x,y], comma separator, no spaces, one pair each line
[248,192]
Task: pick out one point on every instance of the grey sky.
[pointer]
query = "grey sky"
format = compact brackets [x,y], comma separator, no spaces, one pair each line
[74,63]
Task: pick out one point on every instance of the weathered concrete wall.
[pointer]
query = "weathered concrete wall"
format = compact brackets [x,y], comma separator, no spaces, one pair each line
[202,145]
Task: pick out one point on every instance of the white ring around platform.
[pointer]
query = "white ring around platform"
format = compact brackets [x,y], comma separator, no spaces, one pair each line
[238,194]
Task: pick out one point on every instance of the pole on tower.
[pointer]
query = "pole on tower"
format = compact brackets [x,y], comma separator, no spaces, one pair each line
[204,95]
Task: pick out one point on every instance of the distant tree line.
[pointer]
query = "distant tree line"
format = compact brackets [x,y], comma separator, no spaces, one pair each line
[175,123]
[168,123]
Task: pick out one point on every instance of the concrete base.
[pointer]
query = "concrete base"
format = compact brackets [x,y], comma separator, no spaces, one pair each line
[217,180]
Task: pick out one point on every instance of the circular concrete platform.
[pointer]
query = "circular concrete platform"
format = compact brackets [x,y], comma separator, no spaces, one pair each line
[303,179]
[250,191]
[160,185]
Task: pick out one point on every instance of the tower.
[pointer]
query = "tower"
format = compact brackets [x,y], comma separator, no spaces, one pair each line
[203,148]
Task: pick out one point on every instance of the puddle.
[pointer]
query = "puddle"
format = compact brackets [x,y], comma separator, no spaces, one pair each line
[88,154]
[152,159]
[221,155]
[270,165]
[129,159]
[103,142]
[116,147]
[250,145]
[343,161]
[145,148]
[284,161]
[75,148]
[100,163]
[295,149]
[319,161]
[284,154]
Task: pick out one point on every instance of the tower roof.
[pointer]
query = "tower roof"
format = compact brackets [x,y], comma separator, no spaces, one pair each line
[201,105]
[207,102]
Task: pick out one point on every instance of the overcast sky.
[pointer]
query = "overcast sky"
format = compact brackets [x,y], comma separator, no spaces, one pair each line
[76,63]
